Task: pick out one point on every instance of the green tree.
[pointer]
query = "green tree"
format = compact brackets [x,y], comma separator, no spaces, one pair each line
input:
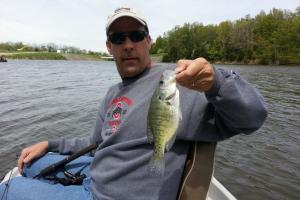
[242,38]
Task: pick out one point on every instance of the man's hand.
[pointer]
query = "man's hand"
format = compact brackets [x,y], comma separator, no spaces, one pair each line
[195,74]
[32,152]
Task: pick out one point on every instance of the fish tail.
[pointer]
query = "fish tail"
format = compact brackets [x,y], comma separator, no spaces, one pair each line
[157,165]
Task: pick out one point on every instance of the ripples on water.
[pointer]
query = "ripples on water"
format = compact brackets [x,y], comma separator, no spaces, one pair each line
[265,165]
[48,99]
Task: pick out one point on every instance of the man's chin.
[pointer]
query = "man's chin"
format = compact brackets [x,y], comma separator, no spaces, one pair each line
[131,72]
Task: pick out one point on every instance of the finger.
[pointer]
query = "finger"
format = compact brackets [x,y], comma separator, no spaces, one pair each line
[205,72]
[182,65]
[189,74]
[186,84]
[29,158]
[20,166]
[20,161]
[202,85]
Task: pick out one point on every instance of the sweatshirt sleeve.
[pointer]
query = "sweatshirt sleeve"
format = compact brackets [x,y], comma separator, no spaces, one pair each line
[238,106]
[71,145]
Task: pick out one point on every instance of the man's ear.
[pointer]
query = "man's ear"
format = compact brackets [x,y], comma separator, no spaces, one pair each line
[149,42]
[108,46]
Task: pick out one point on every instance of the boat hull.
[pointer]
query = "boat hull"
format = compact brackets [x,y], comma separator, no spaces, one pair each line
[216,190]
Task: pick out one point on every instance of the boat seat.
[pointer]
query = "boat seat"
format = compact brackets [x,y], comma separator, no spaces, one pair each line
[198,171]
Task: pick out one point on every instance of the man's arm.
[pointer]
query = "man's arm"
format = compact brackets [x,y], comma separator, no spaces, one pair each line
[238,107]
[63,146]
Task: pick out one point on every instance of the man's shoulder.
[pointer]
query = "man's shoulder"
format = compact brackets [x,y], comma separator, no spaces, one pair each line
[163,66]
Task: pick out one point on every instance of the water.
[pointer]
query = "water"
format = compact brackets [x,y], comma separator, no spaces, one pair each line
[42,100]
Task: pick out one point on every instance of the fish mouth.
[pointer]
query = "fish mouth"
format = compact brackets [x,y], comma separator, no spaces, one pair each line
[169,73]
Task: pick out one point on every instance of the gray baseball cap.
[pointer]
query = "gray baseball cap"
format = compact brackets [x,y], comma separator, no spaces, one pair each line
[125,12]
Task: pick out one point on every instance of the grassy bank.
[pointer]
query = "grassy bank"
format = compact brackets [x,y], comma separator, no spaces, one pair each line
[49,56]
[33,55]
[59,56]
[155,57]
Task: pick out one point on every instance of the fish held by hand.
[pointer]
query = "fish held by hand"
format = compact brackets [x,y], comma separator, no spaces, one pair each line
[163,120]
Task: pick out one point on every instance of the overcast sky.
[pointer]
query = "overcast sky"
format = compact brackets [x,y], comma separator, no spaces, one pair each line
[81,23]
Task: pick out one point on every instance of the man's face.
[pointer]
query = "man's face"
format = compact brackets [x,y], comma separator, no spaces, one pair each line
[131,57]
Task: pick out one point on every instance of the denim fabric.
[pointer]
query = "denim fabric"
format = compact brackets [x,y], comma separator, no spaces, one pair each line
[26,188]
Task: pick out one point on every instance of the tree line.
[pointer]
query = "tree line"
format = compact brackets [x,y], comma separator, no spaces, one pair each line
[50,47]
[268,38]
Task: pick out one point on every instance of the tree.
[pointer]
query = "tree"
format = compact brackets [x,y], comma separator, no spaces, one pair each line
[272,38]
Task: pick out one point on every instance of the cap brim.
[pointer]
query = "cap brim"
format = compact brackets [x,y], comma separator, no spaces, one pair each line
[120,15]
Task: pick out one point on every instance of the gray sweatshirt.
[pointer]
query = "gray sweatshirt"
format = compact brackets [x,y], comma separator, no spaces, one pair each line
[120,170]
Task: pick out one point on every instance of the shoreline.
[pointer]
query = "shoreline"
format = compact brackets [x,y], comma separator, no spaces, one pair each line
[48,56]
[94,57]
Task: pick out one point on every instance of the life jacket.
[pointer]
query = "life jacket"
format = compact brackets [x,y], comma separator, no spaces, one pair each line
[198,171]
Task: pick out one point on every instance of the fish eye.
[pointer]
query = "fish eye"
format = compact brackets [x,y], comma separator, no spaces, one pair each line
[161,82]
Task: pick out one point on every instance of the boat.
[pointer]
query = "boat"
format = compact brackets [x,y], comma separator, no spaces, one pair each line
[108,58]
[2,59]
[216,190]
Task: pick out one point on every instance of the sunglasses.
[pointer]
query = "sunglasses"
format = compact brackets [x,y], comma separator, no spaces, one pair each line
[134,36]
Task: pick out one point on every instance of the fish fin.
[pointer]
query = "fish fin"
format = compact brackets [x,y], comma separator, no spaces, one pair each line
[149,132]
[170,143]
[157,166]
[150,135]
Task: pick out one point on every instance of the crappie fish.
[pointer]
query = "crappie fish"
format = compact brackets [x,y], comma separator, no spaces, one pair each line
[163,119]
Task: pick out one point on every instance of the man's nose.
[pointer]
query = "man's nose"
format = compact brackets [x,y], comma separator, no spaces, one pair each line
[128,44]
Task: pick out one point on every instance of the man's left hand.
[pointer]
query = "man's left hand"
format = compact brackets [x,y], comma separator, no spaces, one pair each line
[195,74]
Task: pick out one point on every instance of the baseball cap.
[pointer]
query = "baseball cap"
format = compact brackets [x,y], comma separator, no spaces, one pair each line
[125,12]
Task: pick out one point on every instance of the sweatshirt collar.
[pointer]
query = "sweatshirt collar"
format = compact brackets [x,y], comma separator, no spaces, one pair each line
[129,80]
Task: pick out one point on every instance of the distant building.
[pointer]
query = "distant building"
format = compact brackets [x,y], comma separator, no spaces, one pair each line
[24,48]
[109,58]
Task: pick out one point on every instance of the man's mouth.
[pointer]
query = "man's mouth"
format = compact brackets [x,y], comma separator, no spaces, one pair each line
[129,59]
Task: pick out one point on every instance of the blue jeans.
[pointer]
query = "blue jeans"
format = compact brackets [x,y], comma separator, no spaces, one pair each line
[26,188]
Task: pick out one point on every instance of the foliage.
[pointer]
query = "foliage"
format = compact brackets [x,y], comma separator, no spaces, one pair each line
[37,56]
[50,47]
[272,38]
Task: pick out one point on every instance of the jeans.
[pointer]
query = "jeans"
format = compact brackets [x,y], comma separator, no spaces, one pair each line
[26,188]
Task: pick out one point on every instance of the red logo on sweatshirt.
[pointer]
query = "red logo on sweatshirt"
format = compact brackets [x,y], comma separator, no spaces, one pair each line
[117,110]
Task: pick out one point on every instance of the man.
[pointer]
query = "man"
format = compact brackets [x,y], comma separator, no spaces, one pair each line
[215,105]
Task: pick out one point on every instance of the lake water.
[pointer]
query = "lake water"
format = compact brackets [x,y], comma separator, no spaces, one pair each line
[47,99]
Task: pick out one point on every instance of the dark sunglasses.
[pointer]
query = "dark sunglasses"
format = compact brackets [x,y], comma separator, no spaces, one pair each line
[134,36]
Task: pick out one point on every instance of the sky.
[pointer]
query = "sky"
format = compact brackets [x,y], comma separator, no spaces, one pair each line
[81,23]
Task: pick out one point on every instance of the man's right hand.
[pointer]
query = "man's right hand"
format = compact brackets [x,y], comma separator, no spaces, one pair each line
[32,152]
